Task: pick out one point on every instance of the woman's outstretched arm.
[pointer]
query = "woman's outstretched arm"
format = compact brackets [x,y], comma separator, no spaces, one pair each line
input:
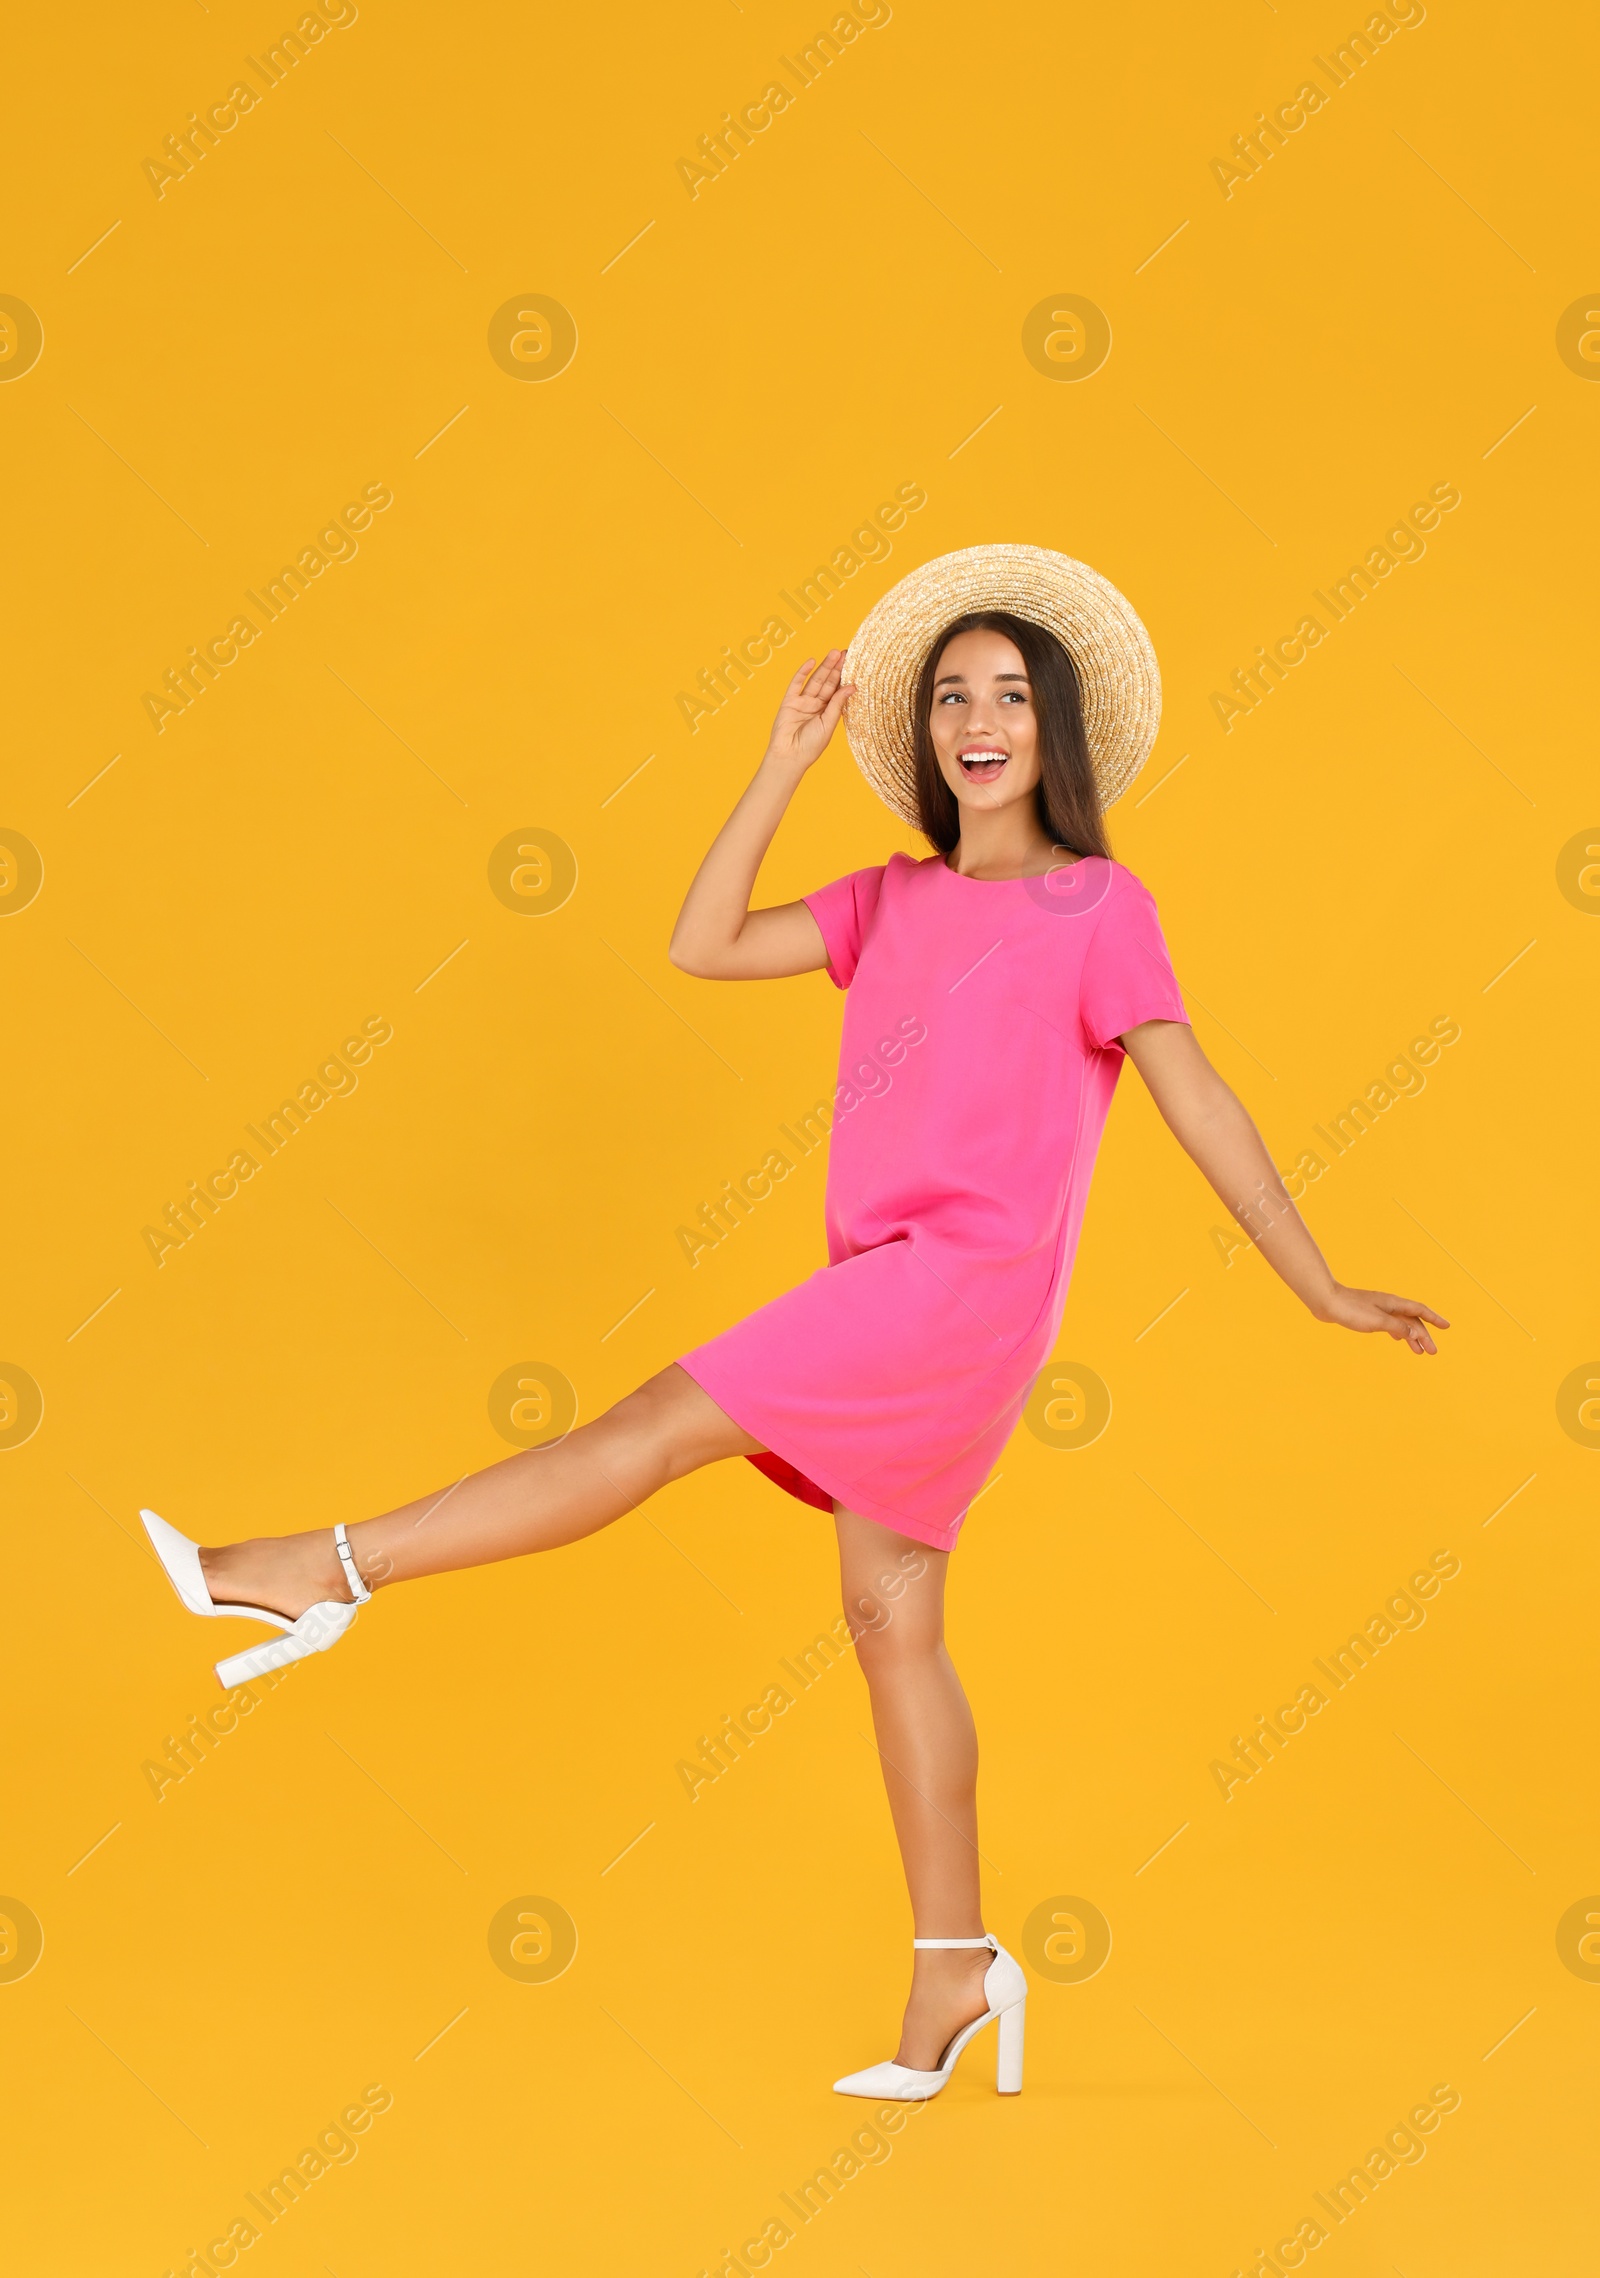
[718,937]
[1210,1123]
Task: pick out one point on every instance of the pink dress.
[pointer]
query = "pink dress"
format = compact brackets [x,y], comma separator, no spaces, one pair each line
[978,1062]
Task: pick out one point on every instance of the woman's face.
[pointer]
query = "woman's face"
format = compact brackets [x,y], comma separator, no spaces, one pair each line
[984,727]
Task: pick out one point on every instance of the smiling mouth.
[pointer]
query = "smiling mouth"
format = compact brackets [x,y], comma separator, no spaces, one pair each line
[984,765]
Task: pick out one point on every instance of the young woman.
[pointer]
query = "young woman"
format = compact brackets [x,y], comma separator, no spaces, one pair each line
[1001,698]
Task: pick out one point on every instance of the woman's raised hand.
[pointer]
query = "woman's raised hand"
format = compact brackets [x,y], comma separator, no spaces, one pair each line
[810,711]
[1401,1317]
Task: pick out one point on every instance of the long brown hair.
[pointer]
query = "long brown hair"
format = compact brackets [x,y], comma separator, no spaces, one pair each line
[1068,799]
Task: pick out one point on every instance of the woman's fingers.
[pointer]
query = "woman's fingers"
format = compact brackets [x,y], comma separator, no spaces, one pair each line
[835,705]
[826,678]
[811,706]
[1416,1309]
[1402,1318]
[1406,1318]
[812,686]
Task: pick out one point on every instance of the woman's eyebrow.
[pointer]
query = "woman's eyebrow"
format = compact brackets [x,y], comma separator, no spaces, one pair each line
[959,679]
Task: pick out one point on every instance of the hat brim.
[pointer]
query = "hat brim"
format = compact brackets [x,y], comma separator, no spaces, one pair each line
[1116,665]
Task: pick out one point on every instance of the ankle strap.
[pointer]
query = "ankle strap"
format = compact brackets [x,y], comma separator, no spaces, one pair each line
[347,1559]
[985,1940]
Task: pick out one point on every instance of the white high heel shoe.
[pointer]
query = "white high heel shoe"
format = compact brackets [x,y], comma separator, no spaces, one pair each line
[317,1628]
[1005,1989]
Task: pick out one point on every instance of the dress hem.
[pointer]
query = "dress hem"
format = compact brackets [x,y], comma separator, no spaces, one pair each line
[804,1476]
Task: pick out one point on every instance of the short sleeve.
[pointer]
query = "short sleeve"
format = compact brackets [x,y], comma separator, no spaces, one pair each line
[844,913]
[1127,973]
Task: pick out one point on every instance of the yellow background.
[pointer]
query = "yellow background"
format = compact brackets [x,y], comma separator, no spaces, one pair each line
[308,1910]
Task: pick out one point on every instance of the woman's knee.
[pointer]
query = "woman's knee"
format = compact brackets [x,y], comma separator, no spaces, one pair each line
[891,1642]
[893,1590]
[669,1425]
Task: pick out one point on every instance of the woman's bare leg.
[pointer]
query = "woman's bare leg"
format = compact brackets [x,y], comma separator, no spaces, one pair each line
[929,1750]
[534,1501]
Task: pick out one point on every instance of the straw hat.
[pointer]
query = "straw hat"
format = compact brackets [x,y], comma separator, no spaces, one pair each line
[1116,665]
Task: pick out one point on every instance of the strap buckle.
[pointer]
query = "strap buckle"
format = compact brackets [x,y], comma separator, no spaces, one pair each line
[347,1559]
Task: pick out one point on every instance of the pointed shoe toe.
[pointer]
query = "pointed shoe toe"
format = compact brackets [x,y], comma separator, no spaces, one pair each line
[180,1562]
[895,2083]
